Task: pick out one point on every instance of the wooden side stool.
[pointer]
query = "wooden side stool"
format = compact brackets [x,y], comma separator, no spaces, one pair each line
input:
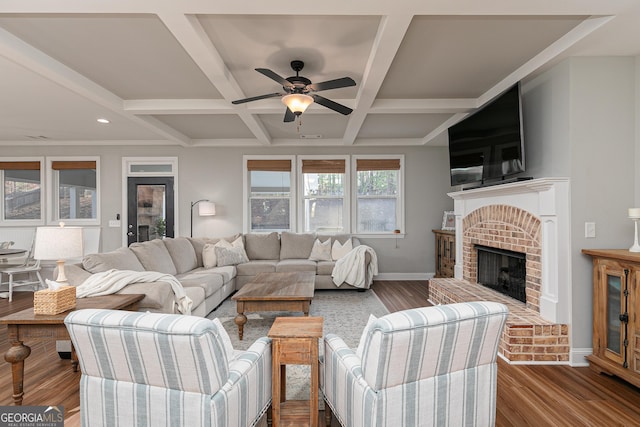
[294,342]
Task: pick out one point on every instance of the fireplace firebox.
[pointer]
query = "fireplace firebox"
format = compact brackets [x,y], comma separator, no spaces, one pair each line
[503,271]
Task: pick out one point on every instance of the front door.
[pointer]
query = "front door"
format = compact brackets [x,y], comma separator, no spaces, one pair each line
[149,208]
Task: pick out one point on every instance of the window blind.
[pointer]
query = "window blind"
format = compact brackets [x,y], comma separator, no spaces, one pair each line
[377,164]
[30,166]
[269,165]
[69,165]
[323,166]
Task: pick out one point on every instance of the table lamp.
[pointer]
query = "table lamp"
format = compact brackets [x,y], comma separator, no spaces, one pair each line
[58,243]
[205,208]
[634,214]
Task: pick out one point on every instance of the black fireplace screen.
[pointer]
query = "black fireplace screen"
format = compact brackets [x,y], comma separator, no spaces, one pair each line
[503,271]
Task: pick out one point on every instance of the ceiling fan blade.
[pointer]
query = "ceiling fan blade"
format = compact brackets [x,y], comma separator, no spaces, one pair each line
[289,116]
[332,84]
[342,109]
[273,76]
[255,98]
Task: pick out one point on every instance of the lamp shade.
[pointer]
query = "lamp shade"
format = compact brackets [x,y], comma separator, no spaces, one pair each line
[297,102]
[206,208]
[58,243]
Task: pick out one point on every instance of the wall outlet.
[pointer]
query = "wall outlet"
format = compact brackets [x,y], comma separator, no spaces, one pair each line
[114,223]
[590,230]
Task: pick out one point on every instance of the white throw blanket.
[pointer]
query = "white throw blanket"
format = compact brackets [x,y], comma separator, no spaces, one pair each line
[350,268]
[111,281]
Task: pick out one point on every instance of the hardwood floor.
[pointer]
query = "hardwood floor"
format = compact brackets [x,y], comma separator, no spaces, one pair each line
[531,395]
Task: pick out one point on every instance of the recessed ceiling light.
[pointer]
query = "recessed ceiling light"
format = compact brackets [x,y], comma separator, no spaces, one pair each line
[103,121]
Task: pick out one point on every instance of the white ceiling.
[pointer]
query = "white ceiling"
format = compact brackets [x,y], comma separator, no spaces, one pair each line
[166,72]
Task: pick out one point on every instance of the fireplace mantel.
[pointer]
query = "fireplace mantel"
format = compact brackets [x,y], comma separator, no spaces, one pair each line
[548,200]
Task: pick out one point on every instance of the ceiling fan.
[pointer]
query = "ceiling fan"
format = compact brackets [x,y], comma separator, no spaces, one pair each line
[299,92]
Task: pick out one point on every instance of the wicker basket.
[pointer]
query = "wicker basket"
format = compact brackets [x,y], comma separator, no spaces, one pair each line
[54,302]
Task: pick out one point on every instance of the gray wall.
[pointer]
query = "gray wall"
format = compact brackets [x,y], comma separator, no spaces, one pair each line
[580,120]
[216,174]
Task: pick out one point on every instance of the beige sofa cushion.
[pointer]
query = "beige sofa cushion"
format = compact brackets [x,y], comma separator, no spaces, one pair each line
[182,254]
[252,268]
[262,246]
[325,268]
[209,282]
[199,242]
[154,256]
[120,259]
[295,265]
[295,245]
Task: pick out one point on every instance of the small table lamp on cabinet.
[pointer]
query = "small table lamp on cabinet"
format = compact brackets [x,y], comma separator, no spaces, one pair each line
[58,244]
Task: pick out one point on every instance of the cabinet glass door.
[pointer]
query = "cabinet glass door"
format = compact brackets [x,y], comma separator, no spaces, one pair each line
[614,308]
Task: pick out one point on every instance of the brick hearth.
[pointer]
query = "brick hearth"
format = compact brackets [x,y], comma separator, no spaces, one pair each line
[527,336]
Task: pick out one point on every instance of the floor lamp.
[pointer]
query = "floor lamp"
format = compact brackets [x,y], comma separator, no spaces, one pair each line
[205,208]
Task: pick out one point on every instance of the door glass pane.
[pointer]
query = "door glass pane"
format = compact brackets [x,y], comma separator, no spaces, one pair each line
[151,212]
[613,313]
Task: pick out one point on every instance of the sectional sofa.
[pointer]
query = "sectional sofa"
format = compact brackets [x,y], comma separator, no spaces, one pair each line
[206,285]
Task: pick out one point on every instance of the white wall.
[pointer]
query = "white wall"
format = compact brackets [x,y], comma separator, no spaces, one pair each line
[581,124]
[216,174]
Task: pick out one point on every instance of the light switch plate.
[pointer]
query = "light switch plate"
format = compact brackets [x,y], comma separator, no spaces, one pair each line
[590,230]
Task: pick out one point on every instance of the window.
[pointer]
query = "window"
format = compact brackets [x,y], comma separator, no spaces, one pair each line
[75,190]
[21,190]
[378,195]
[324,184]
[360,194]
[270,193]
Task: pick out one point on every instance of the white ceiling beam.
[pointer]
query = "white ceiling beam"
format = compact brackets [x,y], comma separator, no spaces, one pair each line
[385,46]
[25,55]
[193,38]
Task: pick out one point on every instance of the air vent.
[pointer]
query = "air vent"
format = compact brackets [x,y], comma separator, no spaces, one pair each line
[310,136]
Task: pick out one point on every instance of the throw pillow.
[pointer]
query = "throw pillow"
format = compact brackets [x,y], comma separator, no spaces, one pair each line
[321,251]
[226,340]
[338,250]
[230,256]
[363,337]
[209,258]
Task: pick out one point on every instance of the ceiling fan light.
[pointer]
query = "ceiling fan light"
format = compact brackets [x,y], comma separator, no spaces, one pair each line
[297,102]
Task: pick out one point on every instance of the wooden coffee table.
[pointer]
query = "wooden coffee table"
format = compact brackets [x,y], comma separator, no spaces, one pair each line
[27,325]
[274,292]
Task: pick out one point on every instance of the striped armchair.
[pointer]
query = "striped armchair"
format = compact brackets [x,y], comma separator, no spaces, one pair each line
[431,366]
[150,369]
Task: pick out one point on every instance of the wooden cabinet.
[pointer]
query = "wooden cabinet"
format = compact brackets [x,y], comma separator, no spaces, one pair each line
[445,252]
[616,313]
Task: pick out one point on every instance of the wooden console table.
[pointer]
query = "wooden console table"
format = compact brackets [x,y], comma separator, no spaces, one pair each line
[295,342]
[25,325]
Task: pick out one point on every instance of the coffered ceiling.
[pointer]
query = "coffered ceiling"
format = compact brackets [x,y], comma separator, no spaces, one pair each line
[166,72]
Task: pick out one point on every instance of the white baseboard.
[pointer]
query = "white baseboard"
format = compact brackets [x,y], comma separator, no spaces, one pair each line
[577,356]
[404,276]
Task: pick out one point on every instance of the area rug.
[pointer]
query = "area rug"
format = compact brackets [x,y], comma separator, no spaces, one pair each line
[345,314]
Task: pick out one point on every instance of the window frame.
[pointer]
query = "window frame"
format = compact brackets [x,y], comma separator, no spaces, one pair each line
[43,191]
[246,189]
[400,204]
[346,197]
[53,194]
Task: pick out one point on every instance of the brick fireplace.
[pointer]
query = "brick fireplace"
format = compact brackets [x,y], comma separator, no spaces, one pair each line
[530,217]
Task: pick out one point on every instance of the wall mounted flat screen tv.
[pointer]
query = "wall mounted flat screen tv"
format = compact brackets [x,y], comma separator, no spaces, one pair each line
[488,145]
